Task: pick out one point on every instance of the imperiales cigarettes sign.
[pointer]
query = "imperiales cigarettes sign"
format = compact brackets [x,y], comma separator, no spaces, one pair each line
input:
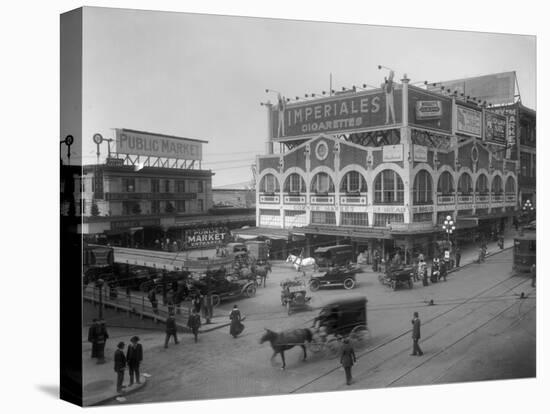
[156,145]
[339,113]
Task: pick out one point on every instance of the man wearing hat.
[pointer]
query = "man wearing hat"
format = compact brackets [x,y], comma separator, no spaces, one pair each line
[171,330]
[347,359]
[120,366]
[416,335]
[134,356]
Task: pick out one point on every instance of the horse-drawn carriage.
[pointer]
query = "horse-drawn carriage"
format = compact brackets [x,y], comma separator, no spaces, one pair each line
[293,295]
[337,320]
[398,277]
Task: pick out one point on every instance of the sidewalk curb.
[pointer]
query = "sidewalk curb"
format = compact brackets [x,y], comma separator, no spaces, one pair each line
[455,269]
[108,399]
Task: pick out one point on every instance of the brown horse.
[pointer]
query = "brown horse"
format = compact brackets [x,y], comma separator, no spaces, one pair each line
[261,272]
[283,341]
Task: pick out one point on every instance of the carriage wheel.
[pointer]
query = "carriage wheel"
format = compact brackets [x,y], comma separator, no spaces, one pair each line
[314,285]
[250,290]
[349,283]
[333,348]
[315,346]
[360,334]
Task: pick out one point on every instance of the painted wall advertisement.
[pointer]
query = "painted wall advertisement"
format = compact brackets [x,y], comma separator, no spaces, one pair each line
[420,153]
[495,127]
[468,121]
[155,145]
[205,236]
[337,113]
[392,153]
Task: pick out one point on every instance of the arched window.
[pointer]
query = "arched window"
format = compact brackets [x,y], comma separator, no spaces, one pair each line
[422,188]
[496,185]
[269,184]
[465,184]
[388,188]
[445,184]
[294,183]
[353,182]
[322,183]
[482,184]
[510,186]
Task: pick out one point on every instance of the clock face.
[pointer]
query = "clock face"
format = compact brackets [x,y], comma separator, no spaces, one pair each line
[321,150]
[69,139]
[98,139]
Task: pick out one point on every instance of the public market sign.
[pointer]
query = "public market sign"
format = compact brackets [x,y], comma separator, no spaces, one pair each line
[336,114]
[205,237]
[156,145]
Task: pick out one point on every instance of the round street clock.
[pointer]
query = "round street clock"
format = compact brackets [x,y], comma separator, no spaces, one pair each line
[98,139]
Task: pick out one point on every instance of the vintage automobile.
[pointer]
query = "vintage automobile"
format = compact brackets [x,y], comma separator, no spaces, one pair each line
[333,276]
[330,256]
[294,295]
[397,277]
[222,286]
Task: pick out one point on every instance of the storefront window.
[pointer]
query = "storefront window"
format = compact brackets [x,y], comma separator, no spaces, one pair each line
[354,219]
[269,184]
[180,206]
[294,183]
[388,188]
[155,207]
[129,185]
[445,185]
[353,182]
[322,183]
[482,184]
[383,220]
[496,186]
[323,217]
[180,186]
[465,184]
[510,186]
[422,188]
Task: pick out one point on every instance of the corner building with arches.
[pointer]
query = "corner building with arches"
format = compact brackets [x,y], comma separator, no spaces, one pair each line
[347,172]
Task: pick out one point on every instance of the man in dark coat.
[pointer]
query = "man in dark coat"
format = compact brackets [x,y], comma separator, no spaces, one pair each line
[457,257]
[416,335]
[92,336]
[194,323]
[171,330]
[236,326]
[120,366]
[347,359]
[134,356]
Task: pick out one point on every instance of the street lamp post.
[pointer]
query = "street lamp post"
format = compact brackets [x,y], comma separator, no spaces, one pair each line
[449,227]
[99,285]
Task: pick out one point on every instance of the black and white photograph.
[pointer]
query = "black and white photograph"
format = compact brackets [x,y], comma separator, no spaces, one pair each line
[270,211]
[288,207]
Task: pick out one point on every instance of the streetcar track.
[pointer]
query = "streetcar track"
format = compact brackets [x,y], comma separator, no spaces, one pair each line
[407,332]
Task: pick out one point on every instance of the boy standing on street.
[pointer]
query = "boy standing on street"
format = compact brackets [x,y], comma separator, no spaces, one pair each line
[120,366]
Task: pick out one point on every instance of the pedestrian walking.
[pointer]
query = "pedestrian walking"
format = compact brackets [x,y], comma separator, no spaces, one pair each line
[196,302]
[100,337]
[533,275]
[443,270]
[457,256]
[92,333]
[347,359]
[120,366]
[134,356]
[236,326]
[153,299]
[416,335]
[194,323]
[171,330]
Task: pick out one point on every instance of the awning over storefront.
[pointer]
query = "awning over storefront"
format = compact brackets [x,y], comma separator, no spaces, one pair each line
[270,233]
[353,232]
[213,219]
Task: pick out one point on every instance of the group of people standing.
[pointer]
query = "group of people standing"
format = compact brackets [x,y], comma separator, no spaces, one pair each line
[131,360]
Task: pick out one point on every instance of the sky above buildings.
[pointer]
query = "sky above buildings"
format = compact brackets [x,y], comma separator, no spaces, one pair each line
[204,76]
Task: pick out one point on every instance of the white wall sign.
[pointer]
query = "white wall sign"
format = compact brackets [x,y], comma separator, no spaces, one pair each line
[389,209]
[420,153]
[392,153]
[428,110]
[423,209]
[468,121]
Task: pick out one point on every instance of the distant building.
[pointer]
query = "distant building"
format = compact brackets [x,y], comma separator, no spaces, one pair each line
[224,197]
[142,199]
[382,170]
